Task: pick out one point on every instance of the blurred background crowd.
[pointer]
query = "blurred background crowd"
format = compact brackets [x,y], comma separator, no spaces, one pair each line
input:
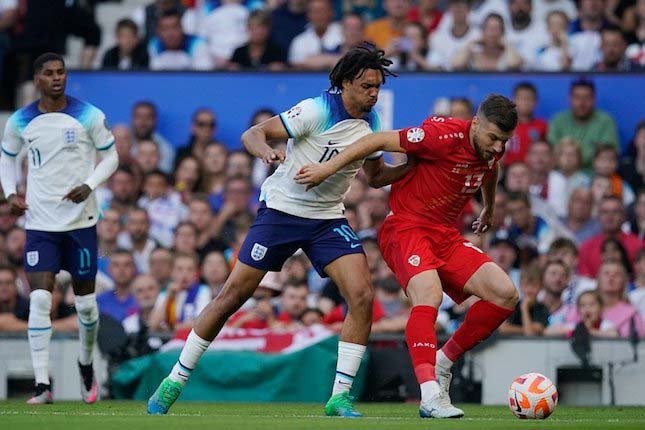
[570,206]
[422,35]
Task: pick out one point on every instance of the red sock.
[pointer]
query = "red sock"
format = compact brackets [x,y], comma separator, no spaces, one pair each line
[482,319]
[422,341]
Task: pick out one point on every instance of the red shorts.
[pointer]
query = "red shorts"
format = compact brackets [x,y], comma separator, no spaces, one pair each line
[410,249]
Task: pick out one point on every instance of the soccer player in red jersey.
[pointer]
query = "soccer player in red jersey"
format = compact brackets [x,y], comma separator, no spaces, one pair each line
[419,240]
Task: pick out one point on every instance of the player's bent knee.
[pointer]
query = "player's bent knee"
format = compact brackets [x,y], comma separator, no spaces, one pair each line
[360,297]
[507,294]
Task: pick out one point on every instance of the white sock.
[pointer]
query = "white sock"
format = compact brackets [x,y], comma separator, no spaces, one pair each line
[443,361]
[88,326]
[429,389]
[349,360]
[193,350]
[40,333]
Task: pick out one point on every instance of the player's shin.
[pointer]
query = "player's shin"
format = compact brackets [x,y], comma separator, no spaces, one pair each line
[190,355]
[421,338]
[40,332]
[88,319]
[482,319]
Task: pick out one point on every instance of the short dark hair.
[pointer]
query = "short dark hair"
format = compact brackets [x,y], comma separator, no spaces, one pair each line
[356,61]
[582,82]
[463,100]
[170,13]
[125,168]
[200,110]
[127,23]
[563,243]
[157,172]
[500,111]
[613,28]
[261,16]
[145,104]
[518,196]
[39,63]
[525,85]
[605,147]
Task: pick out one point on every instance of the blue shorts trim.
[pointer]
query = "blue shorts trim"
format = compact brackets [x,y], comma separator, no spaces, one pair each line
[74,251]
[275,236]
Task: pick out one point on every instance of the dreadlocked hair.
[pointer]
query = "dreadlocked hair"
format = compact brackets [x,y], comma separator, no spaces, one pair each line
[356,61]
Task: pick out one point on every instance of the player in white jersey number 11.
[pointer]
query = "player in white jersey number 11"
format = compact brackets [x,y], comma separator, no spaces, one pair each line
[292,218]
[62,136]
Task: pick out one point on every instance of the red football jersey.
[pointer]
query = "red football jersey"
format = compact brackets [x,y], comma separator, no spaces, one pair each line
[447,176]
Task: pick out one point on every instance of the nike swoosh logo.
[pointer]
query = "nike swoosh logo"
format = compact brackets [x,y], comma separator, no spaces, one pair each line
[31,140]
[332,143]
[183,375]
[355,245]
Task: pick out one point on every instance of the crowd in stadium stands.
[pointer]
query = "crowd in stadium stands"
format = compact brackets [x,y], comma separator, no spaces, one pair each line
[569,210]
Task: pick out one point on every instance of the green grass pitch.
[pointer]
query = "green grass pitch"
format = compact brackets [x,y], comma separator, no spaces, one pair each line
[15,415]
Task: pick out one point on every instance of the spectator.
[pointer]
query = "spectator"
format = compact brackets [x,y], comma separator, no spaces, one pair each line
[312,316]
[528,229]
[584,41]
[7,219]
[353,27]
[427,13]
[123,191]
[529,128]
[567,175]
[179,305]
[372,211]
[543,182]
[224,29]
[614,46]
[172,49]
[214,168]
[583,122]
[194,17]
[525,33]
[321,35]
[632,166]
[200,214]
[234,209]
[637,222]
[589,307]
[553,55]
[147,17]
[289,20]
[258,312]
[215,270]
[161,262]
[542,9]
[136,238]
[613,250]
[491,52]
[148,156]
[611,215]
[119,303]
[8,16]
[260,52]
[185,238]
[187,176]
[164,207]
[262,171]
[565,250]
[530,317]
[578,219]
[203,129]
[123,142]
[605,163]
[386,32]
[396,308]
[555,280]
[108,229]
[145,290]
[144,127]
[637,288]
[636,38]
[505,253]
[15,249]
[14,308]
[239,163]
[612,282]
[447,41]
[411,51]
[461,107]
[293,304]
[129,53]
[600,188]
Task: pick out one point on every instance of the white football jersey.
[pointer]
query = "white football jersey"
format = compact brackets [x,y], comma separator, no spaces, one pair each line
[320,128]
[61,154]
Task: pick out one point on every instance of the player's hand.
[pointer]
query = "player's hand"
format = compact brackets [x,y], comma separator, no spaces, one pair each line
[312,175]
[484,222]
[79,194]
[17,205]
[273,156]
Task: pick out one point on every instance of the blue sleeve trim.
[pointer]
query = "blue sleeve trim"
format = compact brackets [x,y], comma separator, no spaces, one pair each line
[10,154]
[106,147]
[286,127]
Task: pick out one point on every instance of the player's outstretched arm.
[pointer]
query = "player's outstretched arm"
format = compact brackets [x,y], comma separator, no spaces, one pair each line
[255,140]
[313,174]
[380,174]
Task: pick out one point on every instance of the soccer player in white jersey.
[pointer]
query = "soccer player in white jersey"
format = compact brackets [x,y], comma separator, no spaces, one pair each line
[62,136]
[290,217]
